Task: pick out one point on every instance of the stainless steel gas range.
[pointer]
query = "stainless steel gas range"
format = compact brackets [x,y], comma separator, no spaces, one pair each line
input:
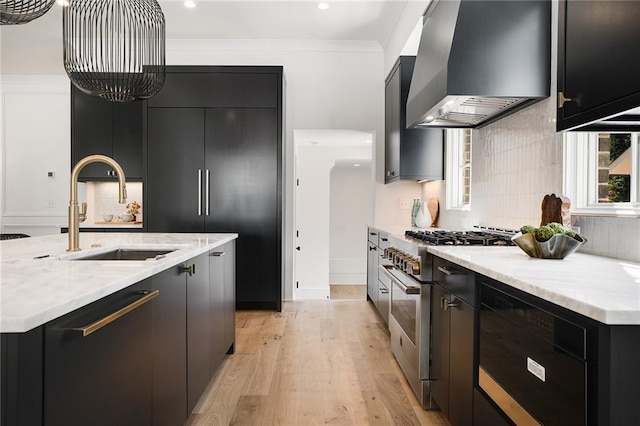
[408,272]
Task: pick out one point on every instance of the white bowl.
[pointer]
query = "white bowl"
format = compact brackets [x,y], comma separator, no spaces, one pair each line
[126,217]
[107,217]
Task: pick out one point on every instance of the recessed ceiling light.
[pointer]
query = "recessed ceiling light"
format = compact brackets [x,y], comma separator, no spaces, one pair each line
[190,4]
[356,165]
[323,6]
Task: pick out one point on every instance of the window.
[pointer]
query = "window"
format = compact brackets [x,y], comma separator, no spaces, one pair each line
[601,172]
[458,172]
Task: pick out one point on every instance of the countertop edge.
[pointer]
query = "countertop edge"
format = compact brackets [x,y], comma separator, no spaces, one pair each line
[35,319]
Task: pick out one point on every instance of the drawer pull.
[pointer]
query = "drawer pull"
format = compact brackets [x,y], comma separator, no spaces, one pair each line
[191,269]
[218,253]
[448,271]
[91,328]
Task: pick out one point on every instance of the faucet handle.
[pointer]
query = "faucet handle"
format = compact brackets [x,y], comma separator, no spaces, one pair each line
[83,214]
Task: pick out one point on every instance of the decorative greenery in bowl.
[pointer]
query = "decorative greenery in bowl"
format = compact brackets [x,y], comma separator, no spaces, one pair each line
[551,241]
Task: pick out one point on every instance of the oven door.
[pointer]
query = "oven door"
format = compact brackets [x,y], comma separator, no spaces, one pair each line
[404,324]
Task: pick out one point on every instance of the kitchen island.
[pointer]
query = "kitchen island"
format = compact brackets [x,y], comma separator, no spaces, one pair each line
[113,341]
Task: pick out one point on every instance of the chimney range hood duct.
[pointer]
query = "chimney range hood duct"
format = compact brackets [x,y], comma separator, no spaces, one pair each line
[479,61]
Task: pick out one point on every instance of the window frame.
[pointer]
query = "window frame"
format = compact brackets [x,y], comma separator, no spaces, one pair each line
[455,190]
[580,176]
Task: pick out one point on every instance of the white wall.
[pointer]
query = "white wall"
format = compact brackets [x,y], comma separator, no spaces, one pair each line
[35,140]
[314,165]
[349,213]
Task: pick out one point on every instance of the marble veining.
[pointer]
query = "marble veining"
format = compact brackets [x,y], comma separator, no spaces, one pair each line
[36,289]
[601,288]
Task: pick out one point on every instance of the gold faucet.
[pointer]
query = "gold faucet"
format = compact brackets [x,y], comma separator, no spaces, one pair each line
[75,217]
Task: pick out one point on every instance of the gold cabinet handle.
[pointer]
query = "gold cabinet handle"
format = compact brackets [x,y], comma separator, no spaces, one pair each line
[218,253]
[91,328]
[191,269]
[562,99]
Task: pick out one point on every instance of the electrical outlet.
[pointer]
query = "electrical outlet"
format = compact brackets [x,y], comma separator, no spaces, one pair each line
[405,203]
[51,204]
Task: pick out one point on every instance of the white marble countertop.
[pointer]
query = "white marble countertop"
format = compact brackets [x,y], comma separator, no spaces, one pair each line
[601,288]
[35,290]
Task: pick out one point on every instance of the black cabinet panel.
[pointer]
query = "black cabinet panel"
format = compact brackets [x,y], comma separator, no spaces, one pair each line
[104,378]
[109,128]
[218,89]
[597,59]
[440,333]
[174,159]
[217,258]
[21,385]
[415,154]
[242,156]
[170,348]
[230,296]
[461,363]
[198,334]
[91,121]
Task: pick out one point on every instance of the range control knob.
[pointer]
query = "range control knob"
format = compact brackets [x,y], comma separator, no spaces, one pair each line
[414,267]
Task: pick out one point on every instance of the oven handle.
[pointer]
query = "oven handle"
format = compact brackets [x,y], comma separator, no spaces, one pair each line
[406,289]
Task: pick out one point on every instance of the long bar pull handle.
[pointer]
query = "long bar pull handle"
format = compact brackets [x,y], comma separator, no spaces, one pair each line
[448,271]
[218,253]
[199,192]
[93,327]
[206,193]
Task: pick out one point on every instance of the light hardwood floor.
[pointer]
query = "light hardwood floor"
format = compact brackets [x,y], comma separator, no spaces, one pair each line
[316,362]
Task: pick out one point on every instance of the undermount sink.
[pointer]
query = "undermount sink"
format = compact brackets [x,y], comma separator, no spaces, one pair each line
[127,254]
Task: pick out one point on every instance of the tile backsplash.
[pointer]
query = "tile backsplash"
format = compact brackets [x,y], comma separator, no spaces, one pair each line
[103,198]
[515,162]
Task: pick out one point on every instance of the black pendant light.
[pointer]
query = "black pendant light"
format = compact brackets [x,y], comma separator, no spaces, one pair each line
[115,49]
[14,12]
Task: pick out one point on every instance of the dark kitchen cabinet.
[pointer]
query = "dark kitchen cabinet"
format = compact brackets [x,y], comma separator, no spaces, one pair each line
[597,61]
[372,265]
[222,306]
[454,316]
[198,333]
[109,128]
[415,154]
[220,167]
[170,348]
[103,377]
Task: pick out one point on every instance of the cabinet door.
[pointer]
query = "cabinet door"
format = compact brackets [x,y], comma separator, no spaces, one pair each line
[198,333]
[127,137]
[217,307]
[104,378]
[392,127]
[91,123]
[170,348]
[372,273]
[462,357]
[175,138]
[230,297]
[440,334]
[597,59]
[242,156]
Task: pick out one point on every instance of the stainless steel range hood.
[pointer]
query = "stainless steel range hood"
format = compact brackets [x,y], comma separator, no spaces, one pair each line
[479,60]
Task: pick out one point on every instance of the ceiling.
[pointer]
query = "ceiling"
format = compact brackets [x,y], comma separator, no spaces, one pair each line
[36,47]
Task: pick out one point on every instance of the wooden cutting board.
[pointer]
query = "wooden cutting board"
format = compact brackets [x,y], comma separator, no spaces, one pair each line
[551,209]
[433,206]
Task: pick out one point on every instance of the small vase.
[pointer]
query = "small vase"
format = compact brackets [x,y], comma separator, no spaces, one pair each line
[423,218]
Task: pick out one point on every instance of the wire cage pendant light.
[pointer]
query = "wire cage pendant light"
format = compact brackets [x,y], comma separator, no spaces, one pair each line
[115,49]
[13,12]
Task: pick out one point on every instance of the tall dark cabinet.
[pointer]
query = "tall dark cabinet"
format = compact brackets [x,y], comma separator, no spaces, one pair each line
[597,61]
[414,154]
[214,164]
[109,128]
